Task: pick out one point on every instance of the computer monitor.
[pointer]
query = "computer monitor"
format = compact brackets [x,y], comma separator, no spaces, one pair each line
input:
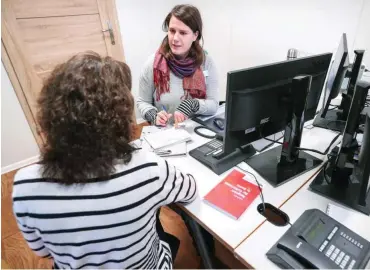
[335,75]
[253,95]
[335,118]
[333,85]
[241,115]
[342,179]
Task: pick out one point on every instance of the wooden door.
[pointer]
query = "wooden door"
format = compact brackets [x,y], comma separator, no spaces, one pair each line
[39,34]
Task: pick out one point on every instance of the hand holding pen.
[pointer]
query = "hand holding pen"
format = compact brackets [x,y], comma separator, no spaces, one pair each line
[162,117]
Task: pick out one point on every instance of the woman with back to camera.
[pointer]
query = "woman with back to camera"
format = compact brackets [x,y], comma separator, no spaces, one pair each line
[180,79]
[93,200]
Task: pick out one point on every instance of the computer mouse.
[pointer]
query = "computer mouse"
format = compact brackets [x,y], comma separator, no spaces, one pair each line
[219,123]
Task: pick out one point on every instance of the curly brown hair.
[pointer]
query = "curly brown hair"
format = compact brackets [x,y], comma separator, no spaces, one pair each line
[85,113]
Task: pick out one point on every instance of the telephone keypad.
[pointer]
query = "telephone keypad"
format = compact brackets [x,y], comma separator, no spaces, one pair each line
[339,257]
[323,246]
[335,254]
[352,240]
[329,251]
[215,144]
[351,264]
[332,233]
[344,262]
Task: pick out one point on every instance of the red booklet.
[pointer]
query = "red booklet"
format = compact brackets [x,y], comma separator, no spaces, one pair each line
[233,194]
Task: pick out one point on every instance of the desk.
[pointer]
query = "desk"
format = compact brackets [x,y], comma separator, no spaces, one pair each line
[228,231]
[254,248]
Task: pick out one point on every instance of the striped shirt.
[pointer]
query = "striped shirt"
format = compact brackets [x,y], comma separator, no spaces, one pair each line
[108,223]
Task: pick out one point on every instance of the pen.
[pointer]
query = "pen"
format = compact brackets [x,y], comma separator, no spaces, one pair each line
[162,153]
[164,108]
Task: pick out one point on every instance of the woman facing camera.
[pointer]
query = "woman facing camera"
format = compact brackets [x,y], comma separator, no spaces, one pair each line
[180,79]
[93,200]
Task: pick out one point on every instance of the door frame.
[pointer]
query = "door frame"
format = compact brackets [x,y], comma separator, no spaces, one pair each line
[24,80]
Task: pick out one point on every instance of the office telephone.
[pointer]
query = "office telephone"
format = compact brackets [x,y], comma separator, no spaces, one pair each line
[316,240]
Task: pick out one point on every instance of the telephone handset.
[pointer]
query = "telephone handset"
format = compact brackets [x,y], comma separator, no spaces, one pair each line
[316,240]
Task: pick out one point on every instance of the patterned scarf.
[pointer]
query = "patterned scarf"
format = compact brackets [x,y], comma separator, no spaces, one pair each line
[193,81]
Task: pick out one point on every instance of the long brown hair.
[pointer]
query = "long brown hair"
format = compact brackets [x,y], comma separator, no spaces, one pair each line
[85,112]
[190,16]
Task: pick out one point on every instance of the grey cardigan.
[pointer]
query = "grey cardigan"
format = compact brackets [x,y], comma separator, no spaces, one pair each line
[146,100]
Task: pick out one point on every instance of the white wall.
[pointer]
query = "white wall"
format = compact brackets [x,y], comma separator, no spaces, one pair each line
[18,146]
[362,40]
[244,33]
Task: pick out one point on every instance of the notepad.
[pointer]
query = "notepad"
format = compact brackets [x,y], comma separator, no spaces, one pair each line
[167,137]
[179,149]
[148,130]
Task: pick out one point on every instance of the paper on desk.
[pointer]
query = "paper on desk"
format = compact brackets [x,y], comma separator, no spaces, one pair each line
[220,110]
[148,130]
[167,137]
[179,149]
[355,221]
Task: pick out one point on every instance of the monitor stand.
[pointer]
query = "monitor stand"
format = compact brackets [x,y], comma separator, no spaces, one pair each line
[268,165]
[342,179]
[349,195]
[285,162]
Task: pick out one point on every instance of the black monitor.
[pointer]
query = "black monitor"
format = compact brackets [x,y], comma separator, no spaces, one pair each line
[255,97]
[335,118]
[335,75]
[343,179]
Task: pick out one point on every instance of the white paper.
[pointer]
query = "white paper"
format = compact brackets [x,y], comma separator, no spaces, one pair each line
[167,137]
[174,150]
[354,220]
[148,130]
[220,110]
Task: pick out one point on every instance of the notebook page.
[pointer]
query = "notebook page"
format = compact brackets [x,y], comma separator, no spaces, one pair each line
[167,137]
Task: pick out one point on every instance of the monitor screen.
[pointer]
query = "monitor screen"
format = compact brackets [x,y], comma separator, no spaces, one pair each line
[258,95]
[336,74]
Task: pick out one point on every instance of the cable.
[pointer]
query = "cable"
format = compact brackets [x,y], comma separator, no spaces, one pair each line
[326,150]
[196,131]
[307,149]
[270,144]
[258,184]
[267,139]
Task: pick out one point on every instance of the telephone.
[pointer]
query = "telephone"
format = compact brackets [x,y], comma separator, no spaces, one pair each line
[316,240]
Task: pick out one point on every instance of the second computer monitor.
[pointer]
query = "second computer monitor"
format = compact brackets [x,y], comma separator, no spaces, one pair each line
[336,75]
[244,117]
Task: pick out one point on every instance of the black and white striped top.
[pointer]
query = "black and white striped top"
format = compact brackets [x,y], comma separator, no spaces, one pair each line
[109,223]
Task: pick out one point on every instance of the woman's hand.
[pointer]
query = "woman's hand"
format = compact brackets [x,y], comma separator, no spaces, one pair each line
[179,117]
[162,118]
[186,109]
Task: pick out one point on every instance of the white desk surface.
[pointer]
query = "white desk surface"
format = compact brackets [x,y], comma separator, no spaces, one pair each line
[229,231]
[254,248]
